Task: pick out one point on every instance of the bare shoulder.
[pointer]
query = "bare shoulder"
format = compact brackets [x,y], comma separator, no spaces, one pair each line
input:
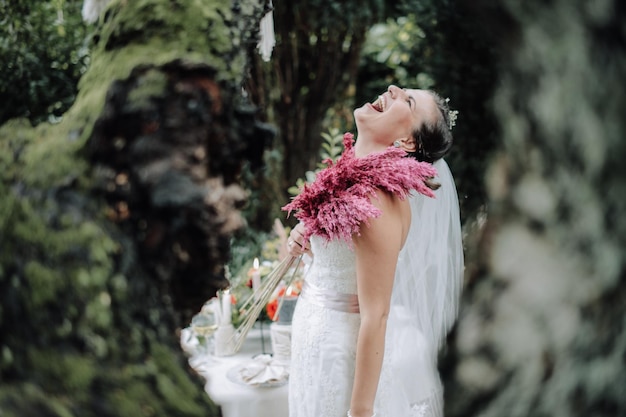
[392,206]
[392,223]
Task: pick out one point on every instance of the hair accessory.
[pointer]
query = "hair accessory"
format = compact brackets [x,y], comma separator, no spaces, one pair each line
[452,115]
[396,143]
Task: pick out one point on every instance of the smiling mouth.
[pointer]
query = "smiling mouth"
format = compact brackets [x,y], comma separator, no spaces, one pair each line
[380,104]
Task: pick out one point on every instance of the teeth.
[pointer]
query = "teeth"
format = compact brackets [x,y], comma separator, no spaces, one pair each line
[376,103]
[380,104]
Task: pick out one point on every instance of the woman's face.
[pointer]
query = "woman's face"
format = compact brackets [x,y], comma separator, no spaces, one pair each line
[395,114]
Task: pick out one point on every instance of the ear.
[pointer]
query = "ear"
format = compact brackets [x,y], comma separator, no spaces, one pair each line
[408,144]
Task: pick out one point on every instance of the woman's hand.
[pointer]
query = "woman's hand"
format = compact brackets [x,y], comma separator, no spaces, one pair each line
[296,244]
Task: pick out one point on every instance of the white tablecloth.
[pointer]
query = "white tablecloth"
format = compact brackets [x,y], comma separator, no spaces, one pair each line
[239,400]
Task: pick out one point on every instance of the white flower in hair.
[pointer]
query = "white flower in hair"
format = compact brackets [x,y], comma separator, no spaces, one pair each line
[452,114]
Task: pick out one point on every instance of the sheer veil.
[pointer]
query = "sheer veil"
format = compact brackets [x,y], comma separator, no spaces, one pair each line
[429,275]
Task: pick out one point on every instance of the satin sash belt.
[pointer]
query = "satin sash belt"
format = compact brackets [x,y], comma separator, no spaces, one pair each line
[333,300]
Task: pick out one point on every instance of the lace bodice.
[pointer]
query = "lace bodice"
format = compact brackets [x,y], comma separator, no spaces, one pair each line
[334,266]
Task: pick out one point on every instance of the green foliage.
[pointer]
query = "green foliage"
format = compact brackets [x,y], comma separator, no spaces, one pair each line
[331,149]
[43,53]
[433,46]
[332,146]
[388,57]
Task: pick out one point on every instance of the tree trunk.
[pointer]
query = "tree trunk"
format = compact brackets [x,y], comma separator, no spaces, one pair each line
[115,223]
[314,63]
[543,330]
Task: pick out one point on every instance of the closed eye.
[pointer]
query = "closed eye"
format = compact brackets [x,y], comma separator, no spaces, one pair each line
[409,98]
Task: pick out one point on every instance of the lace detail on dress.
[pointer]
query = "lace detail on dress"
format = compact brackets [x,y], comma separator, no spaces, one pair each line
[323,349]
[334,266]
[420,410]
[322,361]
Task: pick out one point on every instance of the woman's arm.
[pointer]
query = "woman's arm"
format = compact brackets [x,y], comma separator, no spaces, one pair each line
[377,252]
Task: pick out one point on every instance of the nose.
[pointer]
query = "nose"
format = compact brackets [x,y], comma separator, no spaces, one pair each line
[395,91]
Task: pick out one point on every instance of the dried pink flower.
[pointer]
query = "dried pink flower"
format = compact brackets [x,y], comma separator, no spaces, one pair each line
[338,201]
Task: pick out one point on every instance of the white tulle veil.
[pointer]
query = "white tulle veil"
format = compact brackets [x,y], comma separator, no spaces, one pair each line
[424,302]
[429,275]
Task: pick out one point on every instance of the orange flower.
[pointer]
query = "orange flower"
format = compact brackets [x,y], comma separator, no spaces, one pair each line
[271,308]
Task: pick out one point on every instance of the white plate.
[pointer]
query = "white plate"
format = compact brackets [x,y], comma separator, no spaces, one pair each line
[234,375]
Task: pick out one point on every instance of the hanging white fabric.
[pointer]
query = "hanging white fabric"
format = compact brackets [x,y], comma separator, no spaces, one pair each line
[429,276]
[92,9]
[267,41]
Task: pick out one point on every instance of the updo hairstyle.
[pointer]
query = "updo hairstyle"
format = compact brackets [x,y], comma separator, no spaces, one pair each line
[434,140]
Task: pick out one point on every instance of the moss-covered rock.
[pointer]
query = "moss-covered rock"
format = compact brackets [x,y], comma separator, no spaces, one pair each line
[115,223]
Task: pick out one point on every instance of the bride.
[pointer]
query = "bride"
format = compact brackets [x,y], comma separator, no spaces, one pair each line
[384,286]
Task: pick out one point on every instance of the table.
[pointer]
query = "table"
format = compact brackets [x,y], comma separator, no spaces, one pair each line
[238,400]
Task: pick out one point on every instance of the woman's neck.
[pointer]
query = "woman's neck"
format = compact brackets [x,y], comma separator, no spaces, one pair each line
[366,145]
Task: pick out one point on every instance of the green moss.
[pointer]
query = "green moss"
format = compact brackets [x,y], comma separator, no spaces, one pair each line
[173,383]
[64,372]
[135,400]
[152,84]
[44,283]
[139,33]
[158,386]
[30,400]
[33,229]
[169,364]
[52,158]
[57,253]
[98,312]
[15,136]
[149,32]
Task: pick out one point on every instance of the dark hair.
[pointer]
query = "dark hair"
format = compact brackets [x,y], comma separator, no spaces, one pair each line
[434,140]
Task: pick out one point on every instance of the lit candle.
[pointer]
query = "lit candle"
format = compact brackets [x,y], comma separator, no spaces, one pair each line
[256,277]
[226,308]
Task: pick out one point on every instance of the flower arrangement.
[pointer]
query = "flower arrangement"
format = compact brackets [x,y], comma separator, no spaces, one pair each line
[232,306]
[252,272]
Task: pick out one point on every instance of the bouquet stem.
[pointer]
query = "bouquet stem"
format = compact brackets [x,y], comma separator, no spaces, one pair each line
[252,307]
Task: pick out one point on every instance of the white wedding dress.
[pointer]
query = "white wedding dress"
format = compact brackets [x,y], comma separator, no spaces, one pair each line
[423,306]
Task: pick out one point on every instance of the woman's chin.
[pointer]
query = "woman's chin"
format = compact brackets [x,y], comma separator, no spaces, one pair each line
[364,112]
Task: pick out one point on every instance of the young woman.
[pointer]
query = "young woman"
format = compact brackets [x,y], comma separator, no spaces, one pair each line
[384,286]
